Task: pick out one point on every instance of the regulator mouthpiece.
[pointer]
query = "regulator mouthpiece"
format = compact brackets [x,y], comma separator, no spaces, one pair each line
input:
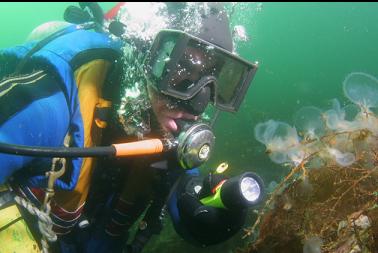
[195,144]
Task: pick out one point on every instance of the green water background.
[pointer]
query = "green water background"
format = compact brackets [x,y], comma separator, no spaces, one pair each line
[304,50]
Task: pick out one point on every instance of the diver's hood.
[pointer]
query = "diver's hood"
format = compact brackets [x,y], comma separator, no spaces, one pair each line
[215,28]
[214,23]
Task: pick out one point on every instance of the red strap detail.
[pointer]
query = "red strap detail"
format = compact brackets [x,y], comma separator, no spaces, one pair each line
[113,12]
[214,190]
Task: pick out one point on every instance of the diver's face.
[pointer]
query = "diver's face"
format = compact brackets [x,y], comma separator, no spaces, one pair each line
[165,112]
[193,65]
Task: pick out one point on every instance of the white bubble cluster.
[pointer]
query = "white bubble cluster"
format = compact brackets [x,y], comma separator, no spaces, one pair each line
[336,135]
[239,33]
[192,16]
[143,20]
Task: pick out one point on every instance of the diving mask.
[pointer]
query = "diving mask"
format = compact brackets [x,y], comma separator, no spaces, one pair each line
[182,65]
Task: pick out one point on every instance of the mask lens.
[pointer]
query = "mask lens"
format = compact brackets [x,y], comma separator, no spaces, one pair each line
[163,55]
[194,64]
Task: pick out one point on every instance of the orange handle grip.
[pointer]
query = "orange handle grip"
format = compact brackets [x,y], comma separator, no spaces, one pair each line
[146,147]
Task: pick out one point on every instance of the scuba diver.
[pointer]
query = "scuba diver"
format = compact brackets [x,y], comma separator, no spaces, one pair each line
[74,93]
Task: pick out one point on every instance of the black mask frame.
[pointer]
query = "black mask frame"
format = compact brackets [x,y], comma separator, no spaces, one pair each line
[168,60]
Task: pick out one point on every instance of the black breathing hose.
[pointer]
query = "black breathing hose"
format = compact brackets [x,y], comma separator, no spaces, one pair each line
[57,151]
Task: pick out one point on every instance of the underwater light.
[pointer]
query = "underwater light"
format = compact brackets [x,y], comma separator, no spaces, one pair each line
[241,191]
[250,189]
